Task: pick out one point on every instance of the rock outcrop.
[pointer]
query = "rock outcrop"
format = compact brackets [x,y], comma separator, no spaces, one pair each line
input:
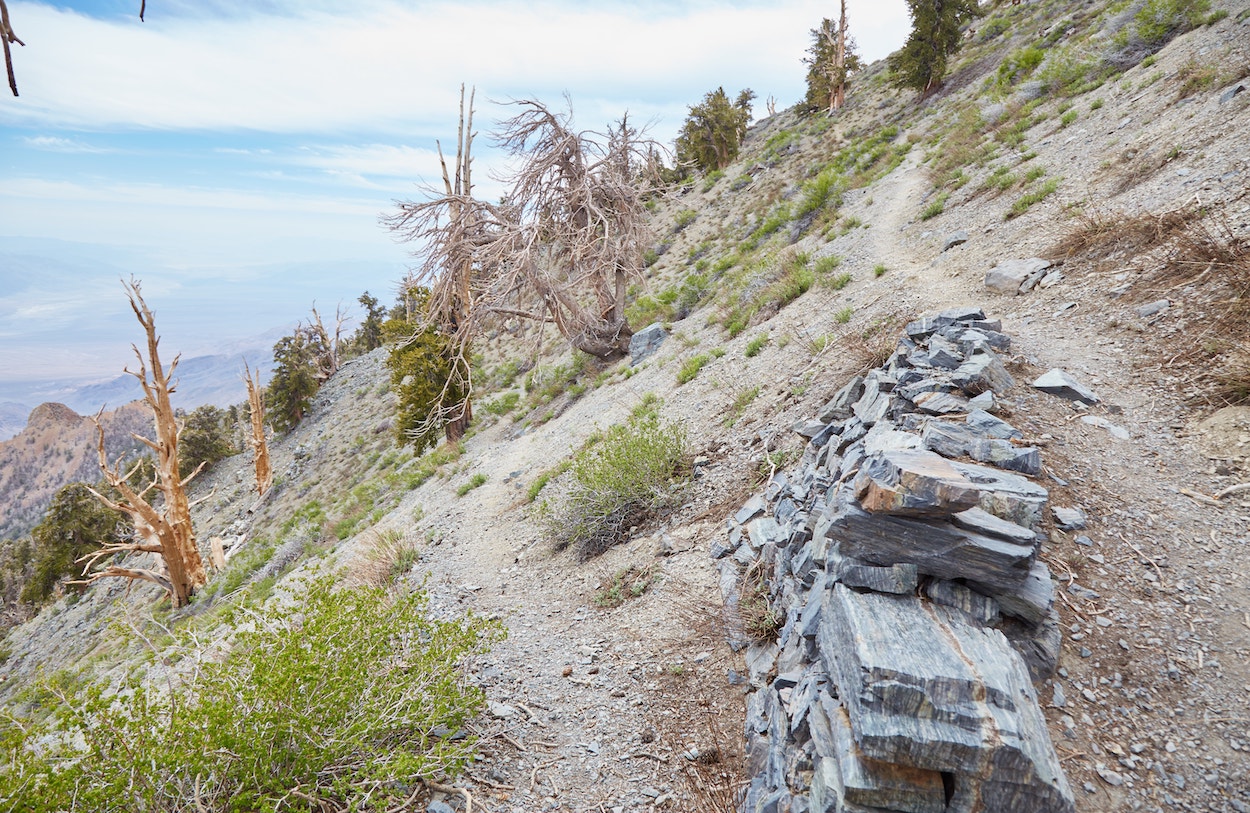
[916,612]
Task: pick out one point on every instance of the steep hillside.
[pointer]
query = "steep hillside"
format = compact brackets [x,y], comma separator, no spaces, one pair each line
[777,280]
[58,446]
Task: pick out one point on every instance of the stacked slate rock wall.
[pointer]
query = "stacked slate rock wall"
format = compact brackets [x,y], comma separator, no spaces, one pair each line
[917,615]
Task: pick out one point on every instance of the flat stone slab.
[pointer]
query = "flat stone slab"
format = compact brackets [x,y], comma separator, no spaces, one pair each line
[936,548]
[913,483]
[962,440]
[645,342]
[1006,495]
[1057,382]
[1016,276]
[948,695]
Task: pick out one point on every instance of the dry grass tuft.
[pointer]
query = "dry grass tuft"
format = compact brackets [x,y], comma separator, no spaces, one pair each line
[1188,249]
[385,558]
[760,620]
[1100,233]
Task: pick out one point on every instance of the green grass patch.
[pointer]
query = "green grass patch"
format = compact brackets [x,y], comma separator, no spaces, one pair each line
[691,368]
[756,344]
[476,481]
[1033,196]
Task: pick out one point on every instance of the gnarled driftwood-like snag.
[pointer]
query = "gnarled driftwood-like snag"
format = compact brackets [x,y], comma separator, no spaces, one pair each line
[166,532]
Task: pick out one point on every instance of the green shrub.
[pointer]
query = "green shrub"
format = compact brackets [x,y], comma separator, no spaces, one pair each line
[618,482]
[756,345]
[843,315]
[828,262]
[1019,65]
[684,218]
[1001,179]
[1158,21]
[839,281]
[503,404]
[741,402]
[879,270]
[341,695]
[1067,118]
[935,208]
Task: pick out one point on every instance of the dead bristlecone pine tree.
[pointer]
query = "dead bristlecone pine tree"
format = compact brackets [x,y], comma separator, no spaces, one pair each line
[165,532]
[260,446]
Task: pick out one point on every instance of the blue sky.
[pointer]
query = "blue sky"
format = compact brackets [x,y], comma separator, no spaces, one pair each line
[236,154]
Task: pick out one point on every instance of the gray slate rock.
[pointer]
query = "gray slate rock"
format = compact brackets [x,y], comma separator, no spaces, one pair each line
[645,342]
[960,440]
[915,483]
[983,522]
[991,426]
[1006,495]
[882,785]
[899,579]
[914,701]
[935,548]
[957,239]
[839,406]
[978,607]
[1069,519]
[928,325]
[1057,382]
[1152,308]
[981,372]
[1032,600]
[1016,276]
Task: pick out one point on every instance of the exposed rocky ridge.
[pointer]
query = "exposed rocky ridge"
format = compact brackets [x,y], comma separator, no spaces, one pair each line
[891,685]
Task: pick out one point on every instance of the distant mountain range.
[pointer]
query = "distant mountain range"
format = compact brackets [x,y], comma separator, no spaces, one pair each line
[211,379]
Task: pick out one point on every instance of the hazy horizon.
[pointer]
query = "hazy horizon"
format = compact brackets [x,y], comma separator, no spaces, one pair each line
[236,156]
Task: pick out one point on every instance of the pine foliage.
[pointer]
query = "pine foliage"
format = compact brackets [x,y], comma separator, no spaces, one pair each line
[713,131]
[935,34]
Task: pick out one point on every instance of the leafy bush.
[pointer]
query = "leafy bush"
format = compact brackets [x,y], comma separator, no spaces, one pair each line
[342,695]
[756,345]
[629,474]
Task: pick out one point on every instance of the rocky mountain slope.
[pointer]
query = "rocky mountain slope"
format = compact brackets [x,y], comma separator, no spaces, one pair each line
[776,288]
[58,446]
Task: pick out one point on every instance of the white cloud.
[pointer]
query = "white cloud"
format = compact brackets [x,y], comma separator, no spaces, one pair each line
[388,65]
[57,144]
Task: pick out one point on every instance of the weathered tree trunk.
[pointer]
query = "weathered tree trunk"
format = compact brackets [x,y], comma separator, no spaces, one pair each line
[260,445]
[167,533]
[461,264]
[838,97]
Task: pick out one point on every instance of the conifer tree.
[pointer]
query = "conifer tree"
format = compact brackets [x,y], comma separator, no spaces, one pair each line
[713,132]
[831,60]
[294,380]
[935,35]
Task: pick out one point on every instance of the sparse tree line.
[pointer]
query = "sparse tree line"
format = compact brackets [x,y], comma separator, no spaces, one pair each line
[88,522]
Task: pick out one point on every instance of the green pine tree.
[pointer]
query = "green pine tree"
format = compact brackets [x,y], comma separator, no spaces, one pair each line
[935,35]
[713,132]
[206,438]
[294,381]
[75,525]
